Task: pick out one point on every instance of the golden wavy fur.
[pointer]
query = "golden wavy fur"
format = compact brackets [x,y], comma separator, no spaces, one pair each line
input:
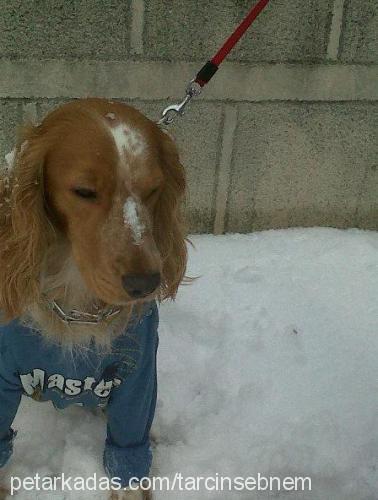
[63,233]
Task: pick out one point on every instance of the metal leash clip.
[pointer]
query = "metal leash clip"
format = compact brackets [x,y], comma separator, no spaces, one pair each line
[207,72]
[170,112]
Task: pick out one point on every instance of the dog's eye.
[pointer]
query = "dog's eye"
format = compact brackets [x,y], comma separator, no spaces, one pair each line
[86,193]
[151,195]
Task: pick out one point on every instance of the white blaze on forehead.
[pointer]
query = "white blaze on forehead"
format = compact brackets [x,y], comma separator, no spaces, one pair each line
[132,220]
[128,140]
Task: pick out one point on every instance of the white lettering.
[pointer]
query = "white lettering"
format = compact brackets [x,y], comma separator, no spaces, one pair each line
[56,380]
[30,382]
[73,387]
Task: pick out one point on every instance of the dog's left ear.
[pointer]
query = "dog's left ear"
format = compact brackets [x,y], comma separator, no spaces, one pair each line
[169,227]
[25,231]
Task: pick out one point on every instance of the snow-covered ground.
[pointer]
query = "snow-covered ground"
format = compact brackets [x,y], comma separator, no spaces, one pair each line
[268,363]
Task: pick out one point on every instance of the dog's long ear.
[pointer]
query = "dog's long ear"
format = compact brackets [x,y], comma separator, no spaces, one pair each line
[24,227]
[169,228]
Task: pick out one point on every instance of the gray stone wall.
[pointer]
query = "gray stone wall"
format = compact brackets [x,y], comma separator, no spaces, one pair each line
[285,134]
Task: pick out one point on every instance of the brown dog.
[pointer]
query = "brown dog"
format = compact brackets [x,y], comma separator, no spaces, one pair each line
[90,228]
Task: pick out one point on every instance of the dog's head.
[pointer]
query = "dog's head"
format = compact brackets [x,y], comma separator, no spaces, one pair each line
[106,182]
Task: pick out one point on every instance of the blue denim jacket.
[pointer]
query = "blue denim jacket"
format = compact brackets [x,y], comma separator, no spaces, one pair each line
[123,381]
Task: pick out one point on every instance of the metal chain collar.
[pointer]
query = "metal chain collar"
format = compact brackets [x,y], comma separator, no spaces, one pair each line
[80,317]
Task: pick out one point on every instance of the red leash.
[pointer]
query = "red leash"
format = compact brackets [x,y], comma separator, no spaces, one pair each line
[230,43]
[211,67]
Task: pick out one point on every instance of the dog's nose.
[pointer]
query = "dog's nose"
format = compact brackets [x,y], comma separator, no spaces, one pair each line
[140,285]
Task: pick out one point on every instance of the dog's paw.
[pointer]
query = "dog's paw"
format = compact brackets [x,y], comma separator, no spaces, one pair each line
[4,492]
[128,494]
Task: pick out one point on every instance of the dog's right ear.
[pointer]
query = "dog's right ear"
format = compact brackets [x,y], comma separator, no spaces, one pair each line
[25,231]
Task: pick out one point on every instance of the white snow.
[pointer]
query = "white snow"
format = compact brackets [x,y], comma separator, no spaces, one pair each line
[267,363]
[10,158]
[23,146]
[132,220]
[111,116]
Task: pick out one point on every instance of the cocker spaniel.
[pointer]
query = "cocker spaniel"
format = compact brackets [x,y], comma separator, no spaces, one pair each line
[91,237]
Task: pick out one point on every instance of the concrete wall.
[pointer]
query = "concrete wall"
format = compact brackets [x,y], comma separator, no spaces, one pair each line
[285,134]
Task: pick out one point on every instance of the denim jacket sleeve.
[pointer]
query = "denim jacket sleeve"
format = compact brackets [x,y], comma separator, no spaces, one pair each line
[131,409]
[10,396]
